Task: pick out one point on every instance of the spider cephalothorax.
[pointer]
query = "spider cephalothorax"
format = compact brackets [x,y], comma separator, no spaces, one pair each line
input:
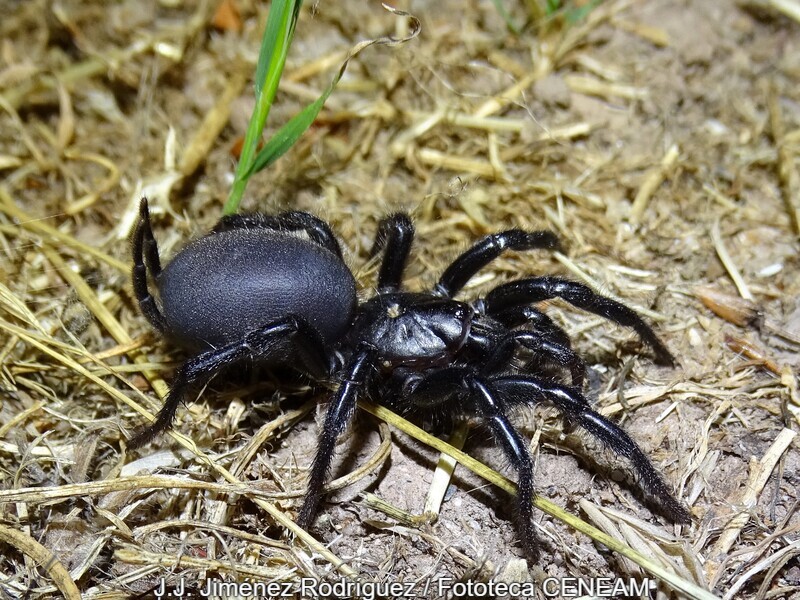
[274,290]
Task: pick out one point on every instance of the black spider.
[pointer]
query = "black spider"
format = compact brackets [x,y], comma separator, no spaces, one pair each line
[274,289]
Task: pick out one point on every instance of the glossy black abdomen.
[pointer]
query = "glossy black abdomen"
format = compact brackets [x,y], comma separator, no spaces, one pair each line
[221,286]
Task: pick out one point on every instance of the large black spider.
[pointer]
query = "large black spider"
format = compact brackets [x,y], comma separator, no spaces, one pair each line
[275,290]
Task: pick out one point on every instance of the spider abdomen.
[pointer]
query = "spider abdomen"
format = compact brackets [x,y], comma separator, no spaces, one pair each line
[221,286]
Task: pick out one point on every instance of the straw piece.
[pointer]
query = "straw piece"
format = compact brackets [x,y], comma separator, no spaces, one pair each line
[459,163]
[655,35]
[444,472]
[37,226]
[652,182]
[727,261]
[760,471]
[41,555]
[789,8]
[213,123]
[134,555]
[590,86]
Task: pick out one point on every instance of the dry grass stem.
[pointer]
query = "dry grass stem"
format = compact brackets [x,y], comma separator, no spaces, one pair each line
[211,126]
[133,555]
[655,35]
[760,471]
[727,261]
[42,556]
[441,160]
[652,182]
[444,472]
[790,8]
[8,207]
[597,87]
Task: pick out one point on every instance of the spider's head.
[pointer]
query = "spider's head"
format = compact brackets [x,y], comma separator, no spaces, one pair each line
[413,329]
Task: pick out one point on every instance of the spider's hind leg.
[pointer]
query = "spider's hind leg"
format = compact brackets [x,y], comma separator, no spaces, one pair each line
[317,230]
[342,407]
[145,258]
[314,358]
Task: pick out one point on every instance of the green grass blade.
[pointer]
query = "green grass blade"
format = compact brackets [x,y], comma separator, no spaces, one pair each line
[275,44]
[506,16]
[277,37]
[287,135]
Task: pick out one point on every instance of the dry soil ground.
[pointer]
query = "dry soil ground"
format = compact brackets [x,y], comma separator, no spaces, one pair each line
[657,138]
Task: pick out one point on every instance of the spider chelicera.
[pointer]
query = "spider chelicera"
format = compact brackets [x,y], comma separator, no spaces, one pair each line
[274,290]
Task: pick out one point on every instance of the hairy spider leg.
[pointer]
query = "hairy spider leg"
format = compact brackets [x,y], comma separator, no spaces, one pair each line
[396,234]
[448,386]
[357,372]
[524,390]
[543,347]
[536,289]
[314,357]
[145,258]
[488,249]
[318,230]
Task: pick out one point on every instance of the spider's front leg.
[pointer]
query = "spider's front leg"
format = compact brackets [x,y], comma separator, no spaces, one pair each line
[517,389]
[453,387]
[543,347]
[537,289]
[516,316]
[356,375]
[488,249]
[315,358]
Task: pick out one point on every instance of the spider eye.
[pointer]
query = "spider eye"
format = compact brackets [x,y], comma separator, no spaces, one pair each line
[394,311]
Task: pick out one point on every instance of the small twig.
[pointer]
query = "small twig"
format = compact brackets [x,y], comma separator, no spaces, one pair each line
[444,471]
[727,262]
